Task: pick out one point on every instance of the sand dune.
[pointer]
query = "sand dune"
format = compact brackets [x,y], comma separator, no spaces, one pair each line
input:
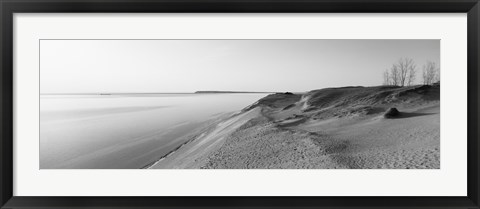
[328,128]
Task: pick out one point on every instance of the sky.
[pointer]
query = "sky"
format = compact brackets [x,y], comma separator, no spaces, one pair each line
[183,66]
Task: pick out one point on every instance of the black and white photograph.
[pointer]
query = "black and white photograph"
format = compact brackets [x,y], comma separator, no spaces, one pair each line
[239,104]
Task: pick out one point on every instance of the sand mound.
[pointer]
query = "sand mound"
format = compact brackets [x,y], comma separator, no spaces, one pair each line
[277,100]
[346,101]
[392,113]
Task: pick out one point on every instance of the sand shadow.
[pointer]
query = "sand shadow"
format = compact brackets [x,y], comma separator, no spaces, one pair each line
[411,115]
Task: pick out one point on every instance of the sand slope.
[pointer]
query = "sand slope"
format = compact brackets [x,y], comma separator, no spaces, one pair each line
[193,153]
[327,128]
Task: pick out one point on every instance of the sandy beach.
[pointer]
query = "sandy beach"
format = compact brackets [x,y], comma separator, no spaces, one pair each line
[343,128]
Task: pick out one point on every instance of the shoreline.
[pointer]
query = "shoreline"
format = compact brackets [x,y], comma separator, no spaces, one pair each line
[194,134]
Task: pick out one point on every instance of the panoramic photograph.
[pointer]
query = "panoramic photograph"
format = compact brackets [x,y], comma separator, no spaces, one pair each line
[240,104]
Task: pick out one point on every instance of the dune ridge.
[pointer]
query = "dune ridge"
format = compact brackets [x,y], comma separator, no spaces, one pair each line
[341,128]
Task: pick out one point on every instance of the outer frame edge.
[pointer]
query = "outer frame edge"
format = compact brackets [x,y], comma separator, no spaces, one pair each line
[6,94]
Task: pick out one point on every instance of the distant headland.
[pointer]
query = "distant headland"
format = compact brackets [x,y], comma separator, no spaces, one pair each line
[231,92]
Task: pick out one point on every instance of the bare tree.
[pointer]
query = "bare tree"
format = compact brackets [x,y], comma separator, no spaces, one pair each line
[386,78]
[400,74]
[431,73]
[406,67]
[412,73]
[394,75]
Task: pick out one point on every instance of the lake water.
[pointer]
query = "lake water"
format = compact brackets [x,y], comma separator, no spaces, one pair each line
[124,131]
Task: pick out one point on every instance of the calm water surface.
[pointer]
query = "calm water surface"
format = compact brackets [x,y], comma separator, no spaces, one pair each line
[124,131]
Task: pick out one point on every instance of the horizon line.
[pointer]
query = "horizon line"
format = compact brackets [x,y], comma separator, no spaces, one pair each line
[206,91]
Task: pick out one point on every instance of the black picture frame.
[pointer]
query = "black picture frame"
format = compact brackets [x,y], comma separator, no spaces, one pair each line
[9,7]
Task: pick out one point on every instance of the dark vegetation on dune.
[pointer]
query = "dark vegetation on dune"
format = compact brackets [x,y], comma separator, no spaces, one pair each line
[348,101]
